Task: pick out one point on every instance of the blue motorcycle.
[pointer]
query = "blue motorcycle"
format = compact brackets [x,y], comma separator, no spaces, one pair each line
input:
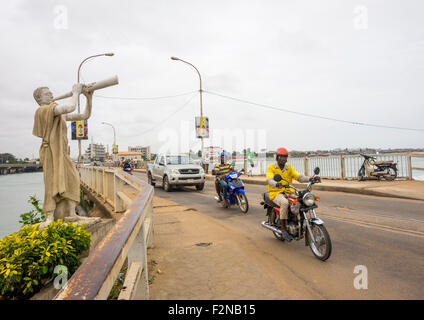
[235,194]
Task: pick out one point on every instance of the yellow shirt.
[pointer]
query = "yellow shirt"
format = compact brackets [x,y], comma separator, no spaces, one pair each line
[288,175]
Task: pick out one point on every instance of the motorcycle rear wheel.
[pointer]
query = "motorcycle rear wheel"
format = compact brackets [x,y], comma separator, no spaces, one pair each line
[392,174]
[272,217]
[323,239]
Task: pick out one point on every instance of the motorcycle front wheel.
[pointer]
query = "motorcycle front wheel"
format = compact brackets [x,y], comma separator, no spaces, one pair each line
[242,202]
[321,248]
[391,174]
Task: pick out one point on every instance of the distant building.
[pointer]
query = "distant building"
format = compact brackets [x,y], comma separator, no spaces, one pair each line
[145,151]
[95,151]
[130,155]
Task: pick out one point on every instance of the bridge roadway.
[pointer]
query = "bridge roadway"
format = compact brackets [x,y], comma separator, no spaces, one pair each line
[385,235]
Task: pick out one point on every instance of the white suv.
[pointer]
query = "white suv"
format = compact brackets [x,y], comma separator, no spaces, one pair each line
[175,170]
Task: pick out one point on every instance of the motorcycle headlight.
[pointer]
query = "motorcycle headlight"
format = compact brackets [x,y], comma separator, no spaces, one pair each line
[309,199]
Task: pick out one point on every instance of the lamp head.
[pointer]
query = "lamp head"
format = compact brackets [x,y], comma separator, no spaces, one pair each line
[174,58]
[109,54]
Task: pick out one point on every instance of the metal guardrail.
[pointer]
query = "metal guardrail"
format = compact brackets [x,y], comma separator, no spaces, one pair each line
[339,167]
[416,156]
[129,238]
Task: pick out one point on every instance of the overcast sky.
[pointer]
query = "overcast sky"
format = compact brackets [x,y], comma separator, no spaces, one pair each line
[360,61]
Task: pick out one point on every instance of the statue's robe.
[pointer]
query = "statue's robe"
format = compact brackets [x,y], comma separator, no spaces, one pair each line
[61,179]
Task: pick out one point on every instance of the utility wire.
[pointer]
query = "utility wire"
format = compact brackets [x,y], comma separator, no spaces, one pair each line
[147,98]
[308,114]
[170,116]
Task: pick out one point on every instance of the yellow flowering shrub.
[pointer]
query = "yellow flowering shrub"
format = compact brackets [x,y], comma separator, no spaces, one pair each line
[28,257]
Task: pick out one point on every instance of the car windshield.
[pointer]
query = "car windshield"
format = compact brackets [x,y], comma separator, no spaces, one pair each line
[179,160]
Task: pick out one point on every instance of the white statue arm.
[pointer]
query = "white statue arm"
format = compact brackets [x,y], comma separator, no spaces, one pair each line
[87,111]
[67,108]
[72,104]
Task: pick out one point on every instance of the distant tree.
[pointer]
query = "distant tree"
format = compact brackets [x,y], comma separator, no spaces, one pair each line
[7,157]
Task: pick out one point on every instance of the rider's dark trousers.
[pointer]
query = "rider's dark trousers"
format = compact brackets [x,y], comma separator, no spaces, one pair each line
[224,187]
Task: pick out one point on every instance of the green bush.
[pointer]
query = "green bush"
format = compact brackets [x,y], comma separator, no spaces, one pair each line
[28,257]
[31,217]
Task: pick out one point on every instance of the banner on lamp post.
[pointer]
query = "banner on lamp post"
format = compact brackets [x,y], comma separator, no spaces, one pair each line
[79,130]
[202,127]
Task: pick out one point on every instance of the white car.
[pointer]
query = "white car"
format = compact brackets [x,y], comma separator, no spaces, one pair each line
[175,170]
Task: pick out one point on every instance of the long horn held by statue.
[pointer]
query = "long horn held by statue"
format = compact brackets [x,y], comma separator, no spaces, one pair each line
[112,81]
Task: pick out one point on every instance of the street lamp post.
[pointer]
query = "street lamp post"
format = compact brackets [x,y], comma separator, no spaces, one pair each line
[109,54]
[114,139]
[201,104]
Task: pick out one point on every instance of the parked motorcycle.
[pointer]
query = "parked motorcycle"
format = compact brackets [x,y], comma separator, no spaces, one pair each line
[379,169]
[302,220]
[236,194]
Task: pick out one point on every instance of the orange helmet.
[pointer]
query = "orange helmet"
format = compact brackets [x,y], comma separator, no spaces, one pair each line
[282,152]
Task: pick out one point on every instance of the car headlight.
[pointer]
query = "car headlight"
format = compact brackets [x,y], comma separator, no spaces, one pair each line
[175,171]
[309,199]
[201,171]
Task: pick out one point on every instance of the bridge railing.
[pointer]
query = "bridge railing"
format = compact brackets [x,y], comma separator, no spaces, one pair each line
[409,165]
[129,238]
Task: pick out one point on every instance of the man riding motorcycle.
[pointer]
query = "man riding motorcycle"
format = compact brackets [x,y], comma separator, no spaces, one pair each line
[127,166]
[221,170]
[279,195]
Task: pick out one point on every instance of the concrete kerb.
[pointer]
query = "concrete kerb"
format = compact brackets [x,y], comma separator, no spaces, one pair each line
[323,187]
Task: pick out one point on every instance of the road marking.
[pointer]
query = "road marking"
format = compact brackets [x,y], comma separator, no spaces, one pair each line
[413,233]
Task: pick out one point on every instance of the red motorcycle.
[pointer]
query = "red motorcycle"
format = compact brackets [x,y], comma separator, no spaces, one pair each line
[302,220]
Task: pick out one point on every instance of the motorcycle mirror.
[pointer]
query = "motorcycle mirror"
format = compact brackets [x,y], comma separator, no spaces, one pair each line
[316,170]
[278,178]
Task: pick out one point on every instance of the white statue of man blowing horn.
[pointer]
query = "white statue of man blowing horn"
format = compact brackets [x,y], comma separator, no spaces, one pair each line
[61,179]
